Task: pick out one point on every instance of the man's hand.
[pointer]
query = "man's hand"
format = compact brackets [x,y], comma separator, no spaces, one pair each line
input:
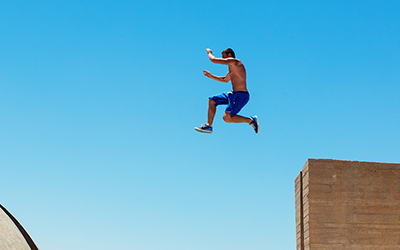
[207,73]
[210,54]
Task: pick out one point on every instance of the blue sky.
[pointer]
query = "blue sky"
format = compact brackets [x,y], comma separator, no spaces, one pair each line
[99,99]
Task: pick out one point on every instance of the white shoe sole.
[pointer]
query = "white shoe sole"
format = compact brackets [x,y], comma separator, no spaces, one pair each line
[203,131]
[258,125]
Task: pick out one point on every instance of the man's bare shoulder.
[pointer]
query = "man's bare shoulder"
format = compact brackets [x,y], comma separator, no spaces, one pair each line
[238,63]
[232,61]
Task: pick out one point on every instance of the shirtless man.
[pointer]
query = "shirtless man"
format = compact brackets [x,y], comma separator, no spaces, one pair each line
[235,99]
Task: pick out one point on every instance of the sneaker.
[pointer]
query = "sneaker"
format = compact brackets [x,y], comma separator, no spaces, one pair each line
[255,124]
[204,128]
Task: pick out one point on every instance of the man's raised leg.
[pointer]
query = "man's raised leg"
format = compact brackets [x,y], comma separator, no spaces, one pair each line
[236,118]
[253,121]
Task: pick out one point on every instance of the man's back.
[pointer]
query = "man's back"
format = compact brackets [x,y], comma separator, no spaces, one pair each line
[237,72]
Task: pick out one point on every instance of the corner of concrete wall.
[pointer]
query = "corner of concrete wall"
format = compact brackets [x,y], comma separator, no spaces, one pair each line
[302,207]
[299,212]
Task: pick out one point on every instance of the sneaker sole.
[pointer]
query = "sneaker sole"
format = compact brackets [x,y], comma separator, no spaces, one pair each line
[203,131]
[258,125]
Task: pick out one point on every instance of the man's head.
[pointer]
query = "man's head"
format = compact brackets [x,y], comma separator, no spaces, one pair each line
[228,53]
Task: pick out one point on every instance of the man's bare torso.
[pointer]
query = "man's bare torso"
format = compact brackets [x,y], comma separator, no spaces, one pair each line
[238,76]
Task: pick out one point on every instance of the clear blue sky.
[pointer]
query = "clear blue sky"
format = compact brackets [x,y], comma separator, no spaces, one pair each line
[98,101]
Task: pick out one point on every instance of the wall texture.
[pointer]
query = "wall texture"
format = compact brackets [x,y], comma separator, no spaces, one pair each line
[12,235]
[347,205]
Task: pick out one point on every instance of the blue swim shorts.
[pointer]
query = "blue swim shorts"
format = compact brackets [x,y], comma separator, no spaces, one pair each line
[234,100]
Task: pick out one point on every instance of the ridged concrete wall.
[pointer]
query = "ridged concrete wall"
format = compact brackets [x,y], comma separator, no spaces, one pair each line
[347,205]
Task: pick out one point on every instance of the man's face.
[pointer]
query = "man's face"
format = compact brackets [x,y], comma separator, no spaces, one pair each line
[224,55]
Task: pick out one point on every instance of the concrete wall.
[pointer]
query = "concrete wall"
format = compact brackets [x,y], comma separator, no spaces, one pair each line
[347,205]
[12,235]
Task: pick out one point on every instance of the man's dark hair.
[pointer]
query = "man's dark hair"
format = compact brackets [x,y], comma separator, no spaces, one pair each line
[229,51]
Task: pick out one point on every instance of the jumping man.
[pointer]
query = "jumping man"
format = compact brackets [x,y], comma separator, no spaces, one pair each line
[235,99]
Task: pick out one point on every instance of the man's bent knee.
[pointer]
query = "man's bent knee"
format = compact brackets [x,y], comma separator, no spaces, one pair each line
[227,117]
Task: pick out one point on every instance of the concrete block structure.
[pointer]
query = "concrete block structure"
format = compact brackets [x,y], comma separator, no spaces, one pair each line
[347,205]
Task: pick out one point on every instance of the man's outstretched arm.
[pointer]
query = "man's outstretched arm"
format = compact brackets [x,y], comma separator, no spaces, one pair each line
[226,78]
[215,59]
